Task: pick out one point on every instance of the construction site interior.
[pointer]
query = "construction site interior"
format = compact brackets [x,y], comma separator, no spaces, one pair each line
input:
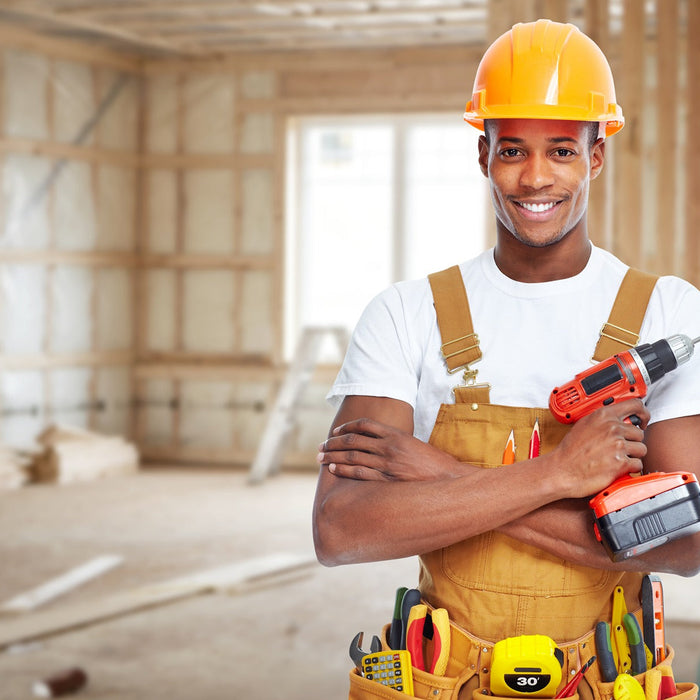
[197,200]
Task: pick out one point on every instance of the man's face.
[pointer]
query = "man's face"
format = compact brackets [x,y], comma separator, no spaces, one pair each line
[539,172]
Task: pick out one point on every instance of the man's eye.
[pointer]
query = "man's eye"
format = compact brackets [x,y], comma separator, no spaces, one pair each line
[564,152]
[510,152]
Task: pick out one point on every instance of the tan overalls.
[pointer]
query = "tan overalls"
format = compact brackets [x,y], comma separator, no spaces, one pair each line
[493,586]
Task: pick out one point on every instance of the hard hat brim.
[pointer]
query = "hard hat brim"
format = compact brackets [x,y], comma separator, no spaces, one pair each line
[613,122]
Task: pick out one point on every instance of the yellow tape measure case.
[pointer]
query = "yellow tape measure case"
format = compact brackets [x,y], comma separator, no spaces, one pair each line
[526,666]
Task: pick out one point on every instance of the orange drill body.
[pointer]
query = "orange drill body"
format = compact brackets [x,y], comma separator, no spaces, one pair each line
[610,381]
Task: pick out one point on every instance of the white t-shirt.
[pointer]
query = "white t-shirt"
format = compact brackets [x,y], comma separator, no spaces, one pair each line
[533,337]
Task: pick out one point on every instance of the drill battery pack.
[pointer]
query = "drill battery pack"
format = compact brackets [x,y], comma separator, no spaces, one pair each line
[636,514]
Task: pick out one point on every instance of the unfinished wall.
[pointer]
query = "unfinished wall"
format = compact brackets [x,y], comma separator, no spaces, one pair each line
[69,172]
[211,254]
[209,343]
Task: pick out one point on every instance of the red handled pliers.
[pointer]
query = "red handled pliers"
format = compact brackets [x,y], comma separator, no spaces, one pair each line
[441,638]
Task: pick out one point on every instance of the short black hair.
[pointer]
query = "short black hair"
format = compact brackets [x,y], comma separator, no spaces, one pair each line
[593,130]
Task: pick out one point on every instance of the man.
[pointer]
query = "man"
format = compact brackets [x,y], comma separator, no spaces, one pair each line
[409,467]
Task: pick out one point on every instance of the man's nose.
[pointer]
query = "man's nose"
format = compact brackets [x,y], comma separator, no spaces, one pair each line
[537,172]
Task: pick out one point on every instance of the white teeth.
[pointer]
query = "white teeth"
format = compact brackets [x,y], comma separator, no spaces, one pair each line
[537,207]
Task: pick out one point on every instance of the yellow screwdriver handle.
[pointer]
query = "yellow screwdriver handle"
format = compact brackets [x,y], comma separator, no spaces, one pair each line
[627,687]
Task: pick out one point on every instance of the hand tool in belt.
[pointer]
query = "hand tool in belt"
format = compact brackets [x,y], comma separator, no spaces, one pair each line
[438,630]
[638,655]
[356,652]
[620,643]
[603,647]
[395,627]
[410,598]
[653,616]
[628,688]
[570,688]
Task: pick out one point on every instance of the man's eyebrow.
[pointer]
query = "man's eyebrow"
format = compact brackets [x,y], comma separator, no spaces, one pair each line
[552,139]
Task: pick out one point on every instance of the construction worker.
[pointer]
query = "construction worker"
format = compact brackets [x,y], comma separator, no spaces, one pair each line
[413,462]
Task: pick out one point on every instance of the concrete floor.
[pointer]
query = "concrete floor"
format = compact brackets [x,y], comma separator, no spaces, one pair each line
[285,641]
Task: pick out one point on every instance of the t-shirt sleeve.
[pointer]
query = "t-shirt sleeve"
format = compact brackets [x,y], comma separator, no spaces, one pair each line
[677,394]
[378,361]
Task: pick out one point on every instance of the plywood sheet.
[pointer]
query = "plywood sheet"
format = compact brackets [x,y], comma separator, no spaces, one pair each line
[22,309]
[258,216]
[114,390]
[208,311]
[205,415]
[208,102]
[71,317]
[209,224]
[25,95]
[69,389]
[22,401]
[74,207]
[157,412]
[73,101]
[118,124]
[162,211]
[114,317]
[258,85]
[161,306]
[258,133]
[161,117]
[256,313]
[116,208]
[25,205]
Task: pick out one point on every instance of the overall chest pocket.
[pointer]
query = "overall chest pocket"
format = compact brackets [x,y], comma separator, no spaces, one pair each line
[477,434]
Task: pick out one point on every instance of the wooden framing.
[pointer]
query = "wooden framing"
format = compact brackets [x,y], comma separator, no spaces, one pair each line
[49,361]
[691,268]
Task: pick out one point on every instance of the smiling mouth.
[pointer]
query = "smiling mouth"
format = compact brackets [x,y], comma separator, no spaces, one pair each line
[537,208]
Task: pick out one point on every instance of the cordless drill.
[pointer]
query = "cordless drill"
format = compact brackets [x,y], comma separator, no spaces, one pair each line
[635,513]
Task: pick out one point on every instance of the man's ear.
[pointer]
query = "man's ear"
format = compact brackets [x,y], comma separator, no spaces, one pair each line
[484,155]
[597,158]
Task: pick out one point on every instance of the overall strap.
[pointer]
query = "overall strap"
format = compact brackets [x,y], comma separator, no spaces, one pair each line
[622,328]
[460,344]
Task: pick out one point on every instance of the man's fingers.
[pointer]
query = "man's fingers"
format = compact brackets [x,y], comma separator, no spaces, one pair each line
[359,473]
[351,457]
[631,407]
[364,426]
[351,442]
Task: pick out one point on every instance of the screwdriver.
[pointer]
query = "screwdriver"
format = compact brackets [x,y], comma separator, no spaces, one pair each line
[570,688]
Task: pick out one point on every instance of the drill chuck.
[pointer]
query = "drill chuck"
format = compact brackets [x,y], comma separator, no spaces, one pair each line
[682,347]
[656,359]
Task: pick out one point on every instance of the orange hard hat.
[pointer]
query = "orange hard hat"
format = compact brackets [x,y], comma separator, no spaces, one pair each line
[545,70]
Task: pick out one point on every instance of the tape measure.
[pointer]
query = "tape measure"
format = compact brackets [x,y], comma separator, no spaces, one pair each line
[526,666]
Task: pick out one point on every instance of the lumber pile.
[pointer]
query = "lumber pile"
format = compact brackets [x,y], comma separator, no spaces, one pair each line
[14,468]
[69,454]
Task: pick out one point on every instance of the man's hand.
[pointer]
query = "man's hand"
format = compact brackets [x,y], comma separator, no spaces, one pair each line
[367,450]
[602,447]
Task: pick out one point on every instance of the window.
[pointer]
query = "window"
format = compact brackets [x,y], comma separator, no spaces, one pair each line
[372,201]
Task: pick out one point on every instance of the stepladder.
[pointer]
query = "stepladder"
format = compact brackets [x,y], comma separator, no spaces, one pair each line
[283,414]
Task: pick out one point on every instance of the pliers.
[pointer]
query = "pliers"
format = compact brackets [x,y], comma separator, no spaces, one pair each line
[603,643]
[440,631]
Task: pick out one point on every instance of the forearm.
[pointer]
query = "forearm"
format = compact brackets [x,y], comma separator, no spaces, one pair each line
[361,521]
[565,529]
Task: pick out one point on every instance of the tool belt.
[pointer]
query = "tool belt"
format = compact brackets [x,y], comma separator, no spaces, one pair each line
[468,668]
